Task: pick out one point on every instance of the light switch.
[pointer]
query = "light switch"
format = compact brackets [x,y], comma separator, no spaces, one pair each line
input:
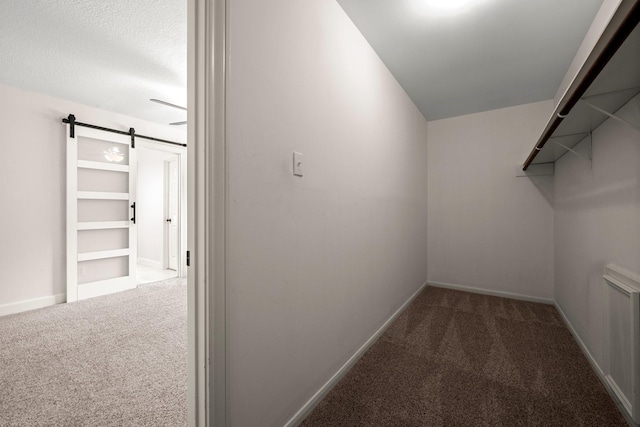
[297,164]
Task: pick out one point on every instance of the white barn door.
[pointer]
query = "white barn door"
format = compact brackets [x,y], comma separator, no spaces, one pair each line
[101,228]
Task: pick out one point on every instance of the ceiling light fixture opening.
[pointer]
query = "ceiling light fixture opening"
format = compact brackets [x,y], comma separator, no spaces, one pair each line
[445,7]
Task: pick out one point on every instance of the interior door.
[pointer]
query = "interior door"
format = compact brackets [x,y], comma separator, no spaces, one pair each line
[173,228]
[101,228]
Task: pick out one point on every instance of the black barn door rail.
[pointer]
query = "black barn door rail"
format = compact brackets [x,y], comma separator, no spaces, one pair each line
[71,119]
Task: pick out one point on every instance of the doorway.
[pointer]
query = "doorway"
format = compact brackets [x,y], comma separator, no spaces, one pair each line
[161,232]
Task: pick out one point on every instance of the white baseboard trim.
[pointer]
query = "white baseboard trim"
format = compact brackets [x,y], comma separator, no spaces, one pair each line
[596,367]
[326,388]
[150,263]
[581,344]
[32,304]
[491,293]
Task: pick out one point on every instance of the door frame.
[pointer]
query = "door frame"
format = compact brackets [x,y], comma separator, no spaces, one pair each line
[181,152]
[208,209]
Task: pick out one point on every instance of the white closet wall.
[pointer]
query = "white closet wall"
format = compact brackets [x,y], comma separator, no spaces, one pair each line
[489,229]
[315,264]
[597,222]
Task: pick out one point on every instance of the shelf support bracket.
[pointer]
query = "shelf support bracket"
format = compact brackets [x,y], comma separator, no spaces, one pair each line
[613,116]
[577,153]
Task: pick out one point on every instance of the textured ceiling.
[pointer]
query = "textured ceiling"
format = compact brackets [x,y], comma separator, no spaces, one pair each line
[117,54]
[498,53]
[113,54]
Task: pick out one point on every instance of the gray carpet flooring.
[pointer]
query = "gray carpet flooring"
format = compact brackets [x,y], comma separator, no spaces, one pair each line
[117,360]
[460,359]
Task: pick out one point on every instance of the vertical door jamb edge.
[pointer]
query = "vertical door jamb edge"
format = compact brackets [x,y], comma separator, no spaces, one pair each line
[207,213]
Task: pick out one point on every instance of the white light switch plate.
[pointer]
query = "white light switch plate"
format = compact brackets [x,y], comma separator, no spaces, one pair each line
[297,164]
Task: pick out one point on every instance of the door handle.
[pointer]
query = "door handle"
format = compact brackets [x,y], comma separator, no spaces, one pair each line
[133,206]
[168,219]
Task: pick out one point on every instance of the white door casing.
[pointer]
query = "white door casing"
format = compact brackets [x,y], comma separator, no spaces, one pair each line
[207,287]
[101,229]
[180,153]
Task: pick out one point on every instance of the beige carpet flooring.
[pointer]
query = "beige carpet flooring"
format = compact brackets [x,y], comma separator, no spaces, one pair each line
[117,360]
[460,359]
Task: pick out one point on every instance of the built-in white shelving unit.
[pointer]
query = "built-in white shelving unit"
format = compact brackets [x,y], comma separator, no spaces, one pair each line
[608,79]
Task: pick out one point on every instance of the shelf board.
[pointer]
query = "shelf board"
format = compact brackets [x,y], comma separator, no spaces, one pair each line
[616,85]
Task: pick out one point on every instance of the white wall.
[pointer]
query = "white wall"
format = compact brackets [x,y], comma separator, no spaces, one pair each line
[489,229]
[597,221]
[33,189]
[315,264]
[150,207]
